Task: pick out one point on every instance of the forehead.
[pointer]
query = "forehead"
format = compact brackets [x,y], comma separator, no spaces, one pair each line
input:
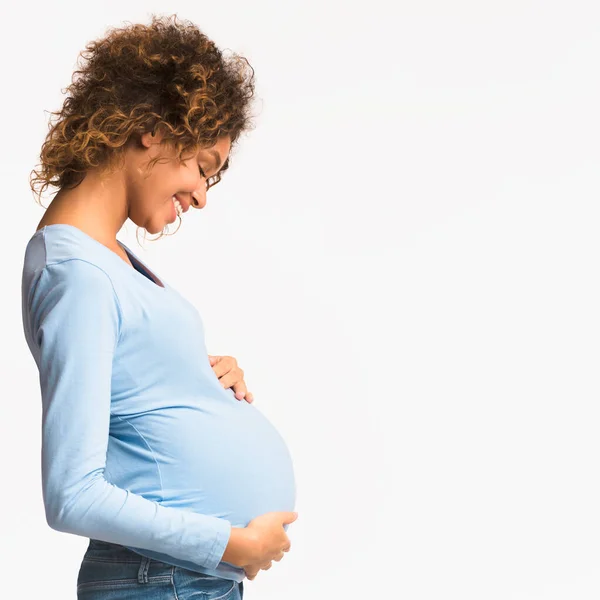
[222,146]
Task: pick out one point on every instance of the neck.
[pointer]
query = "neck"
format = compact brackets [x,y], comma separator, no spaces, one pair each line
[97,206]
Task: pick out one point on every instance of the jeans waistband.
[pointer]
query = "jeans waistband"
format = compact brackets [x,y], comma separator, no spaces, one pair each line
[106,551]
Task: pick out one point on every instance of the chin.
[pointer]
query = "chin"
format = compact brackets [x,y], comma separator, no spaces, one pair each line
[150,227]
[153,230]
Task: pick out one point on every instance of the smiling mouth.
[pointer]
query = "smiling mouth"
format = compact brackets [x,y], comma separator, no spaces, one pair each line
[178,206]
[183,204]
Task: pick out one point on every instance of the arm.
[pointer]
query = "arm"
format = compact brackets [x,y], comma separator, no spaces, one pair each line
[75,321]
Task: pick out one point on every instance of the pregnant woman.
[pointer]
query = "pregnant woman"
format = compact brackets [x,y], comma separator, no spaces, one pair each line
[183,489]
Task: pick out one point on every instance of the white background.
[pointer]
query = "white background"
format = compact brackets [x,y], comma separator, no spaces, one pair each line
[403,257]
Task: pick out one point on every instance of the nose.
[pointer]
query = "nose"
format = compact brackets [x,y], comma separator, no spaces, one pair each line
[198,198]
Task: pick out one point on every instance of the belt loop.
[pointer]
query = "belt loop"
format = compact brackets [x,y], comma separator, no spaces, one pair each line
[143,570]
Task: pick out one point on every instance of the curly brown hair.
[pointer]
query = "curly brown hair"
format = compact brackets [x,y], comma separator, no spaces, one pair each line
[167,76]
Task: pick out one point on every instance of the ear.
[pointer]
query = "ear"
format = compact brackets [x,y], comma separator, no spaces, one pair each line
[148,139]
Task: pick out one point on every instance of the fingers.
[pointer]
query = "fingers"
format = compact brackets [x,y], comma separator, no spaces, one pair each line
[230,375]
[240,390]
[232,378]
[223,364]
[289,517]
[252,572]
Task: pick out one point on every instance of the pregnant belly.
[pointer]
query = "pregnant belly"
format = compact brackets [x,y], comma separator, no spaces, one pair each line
[221,458]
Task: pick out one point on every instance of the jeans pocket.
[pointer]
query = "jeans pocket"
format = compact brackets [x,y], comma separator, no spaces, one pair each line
[110,575]
[189,584]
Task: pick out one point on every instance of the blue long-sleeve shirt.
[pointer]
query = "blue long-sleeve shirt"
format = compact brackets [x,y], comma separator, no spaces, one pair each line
[141,445]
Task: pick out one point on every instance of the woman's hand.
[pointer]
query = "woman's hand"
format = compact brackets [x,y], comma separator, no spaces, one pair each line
[255,547]
[252,570]
[275,543]
[231,376]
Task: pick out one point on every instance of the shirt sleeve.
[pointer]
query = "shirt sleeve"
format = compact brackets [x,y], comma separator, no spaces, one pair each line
[75,320]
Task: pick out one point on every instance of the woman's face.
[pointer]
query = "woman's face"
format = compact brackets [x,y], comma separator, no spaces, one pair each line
[150,196]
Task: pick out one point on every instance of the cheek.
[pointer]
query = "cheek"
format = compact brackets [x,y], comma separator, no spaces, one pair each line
[140,202]
[189,177]
[149,204]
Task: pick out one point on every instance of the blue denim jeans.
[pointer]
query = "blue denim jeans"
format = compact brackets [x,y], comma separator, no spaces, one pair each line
[113,572]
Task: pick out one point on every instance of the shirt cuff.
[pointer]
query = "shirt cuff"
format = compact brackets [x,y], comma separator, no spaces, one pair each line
[222,534]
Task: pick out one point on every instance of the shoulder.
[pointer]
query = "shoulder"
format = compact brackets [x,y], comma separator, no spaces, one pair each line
[62,256]
[73,295]
[80,280]
[75,282]
[64,286]
[79,273]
